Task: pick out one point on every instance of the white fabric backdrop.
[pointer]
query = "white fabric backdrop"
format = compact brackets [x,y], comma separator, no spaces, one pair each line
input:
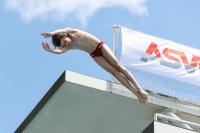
[160,56]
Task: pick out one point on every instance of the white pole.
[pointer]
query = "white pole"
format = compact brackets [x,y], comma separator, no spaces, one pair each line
[113,50]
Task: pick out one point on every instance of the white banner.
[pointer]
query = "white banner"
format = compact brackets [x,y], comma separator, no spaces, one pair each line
[159,56]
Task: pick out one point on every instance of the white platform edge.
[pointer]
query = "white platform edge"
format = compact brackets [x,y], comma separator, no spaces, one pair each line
[119,89]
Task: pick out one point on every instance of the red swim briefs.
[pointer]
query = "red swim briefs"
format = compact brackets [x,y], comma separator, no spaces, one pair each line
[97,51]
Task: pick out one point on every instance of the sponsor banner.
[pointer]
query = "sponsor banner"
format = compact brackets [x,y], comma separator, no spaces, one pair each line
[160,56]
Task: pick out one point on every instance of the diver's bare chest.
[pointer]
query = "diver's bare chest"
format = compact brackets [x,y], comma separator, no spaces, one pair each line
[78,44]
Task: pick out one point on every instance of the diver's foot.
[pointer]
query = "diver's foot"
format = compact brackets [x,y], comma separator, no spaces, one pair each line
[140,99]
[143,94]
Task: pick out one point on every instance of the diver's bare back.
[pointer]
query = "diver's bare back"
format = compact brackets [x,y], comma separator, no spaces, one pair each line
[82,40]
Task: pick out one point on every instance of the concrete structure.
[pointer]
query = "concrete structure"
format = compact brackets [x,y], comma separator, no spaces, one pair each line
[78,103]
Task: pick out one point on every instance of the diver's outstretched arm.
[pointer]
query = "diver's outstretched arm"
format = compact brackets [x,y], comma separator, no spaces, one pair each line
[49,34]
[46,47]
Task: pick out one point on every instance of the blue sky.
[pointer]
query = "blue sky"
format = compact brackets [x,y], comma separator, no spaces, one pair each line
[27,71]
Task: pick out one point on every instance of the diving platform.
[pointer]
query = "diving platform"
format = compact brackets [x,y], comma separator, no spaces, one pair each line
[78,103]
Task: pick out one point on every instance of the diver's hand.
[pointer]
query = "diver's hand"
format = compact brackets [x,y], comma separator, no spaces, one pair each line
[45,45]
[46,34]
